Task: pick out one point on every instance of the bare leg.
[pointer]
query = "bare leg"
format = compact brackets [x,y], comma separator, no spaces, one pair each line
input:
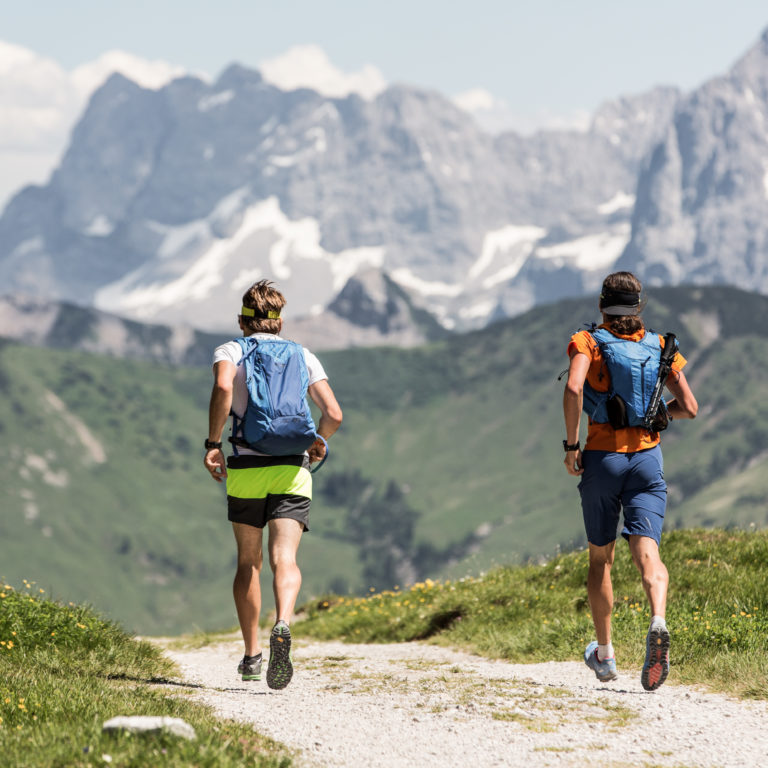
[645,554]
[284,537]
[600,589]
[246,587]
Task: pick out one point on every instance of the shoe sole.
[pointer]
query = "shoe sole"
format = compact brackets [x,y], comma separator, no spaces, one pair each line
[656,667]
[280,668]
[251,677]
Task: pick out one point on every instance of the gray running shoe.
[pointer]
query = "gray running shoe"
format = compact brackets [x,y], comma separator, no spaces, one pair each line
[656,667]
[250,667]
[280,667]
[604,670]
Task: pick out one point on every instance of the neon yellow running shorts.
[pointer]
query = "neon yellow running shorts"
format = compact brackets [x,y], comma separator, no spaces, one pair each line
[263,488]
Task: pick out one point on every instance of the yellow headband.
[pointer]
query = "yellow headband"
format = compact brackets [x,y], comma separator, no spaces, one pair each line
[272,314]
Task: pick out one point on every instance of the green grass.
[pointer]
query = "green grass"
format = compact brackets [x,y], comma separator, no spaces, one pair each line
[718,611]
[64,671]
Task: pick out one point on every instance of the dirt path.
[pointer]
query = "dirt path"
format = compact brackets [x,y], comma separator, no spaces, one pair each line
[397,706]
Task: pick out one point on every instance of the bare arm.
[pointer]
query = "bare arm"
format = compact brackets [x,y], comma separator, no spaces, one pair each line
[218,413]
[330,416]
[684,406]
[572,403]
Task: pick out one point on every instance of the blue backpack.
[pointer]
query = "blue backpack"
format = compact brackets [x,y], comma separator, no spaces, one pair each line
[634,370]
[277,420]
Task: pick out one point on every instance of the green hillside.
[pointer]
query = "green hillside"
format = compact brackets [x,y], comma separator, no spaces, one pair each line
[473,426]
[449,461]
[105,499]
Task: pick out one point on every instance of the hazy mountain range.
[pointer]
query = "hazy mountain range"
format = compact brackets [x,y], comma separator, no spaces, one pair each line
[390,218]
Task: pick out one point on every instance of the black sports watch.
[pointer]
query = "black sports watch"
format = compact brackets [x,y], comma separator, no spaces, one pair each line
[211,444]
[574,447]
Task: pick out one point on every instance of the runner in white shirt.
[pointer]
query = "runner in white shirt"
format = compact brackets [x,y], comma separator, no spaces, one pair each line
[265,491]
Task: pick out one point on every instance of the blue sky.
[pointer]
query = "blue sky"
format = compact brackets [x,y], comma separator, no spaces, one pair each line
[539,55]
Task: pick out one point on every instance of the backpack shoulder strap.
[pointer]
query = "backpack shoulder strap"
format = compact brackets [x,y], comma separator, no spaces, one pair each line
[247,345]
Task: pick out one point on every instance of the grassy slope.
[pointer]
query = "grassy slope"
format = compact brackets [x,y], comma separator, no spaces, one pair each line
[64,671]
[471,426]
[717,612]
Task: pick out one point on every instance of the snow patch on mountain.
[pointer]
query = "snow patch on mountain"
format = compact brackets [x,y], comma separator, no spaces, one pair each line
[618,202]
[199,271]
[100,226]
[590,253]
[411,282]
[511,244]
[207,103]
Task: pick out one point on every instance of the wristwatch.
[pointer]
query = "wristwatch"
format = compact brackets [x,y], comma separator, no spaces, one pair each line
[567,447]
[211,444]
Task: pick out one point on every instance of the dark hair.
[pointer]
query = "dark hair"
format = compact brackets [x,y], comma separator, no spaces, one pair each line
[624,282]
[263,299]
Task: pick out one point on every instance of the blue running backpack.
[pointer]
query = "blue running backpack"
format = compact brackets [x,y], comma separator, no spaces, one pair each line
[277,420]
[634,370]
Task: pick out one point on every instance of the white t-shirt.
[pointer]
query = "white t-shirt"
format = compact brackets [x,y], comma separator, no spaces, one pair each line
[232,351]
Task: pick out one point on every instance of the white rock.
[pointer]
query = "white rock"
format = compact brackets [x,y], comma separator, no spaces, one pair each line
[148,724]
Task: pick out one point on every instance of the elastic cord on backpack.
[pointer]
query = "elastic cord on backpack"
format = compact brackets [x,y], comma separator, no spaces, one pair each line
[322,461]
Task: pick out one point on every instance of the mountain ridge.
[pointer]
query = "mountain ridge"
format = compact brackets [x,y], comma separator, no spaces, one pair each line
[168,201]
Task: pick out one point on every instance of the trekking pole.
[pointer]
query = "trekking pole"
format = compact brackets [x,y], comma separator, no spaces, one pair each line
[665,366]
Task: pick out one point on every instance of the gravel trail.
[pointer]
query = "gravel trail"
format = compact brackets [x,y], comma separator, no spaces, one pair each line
[412,704]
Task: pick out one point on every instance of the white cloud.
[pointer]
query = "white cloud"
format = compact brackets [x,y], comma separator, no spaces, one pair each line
[496,115]
[308,66]
[148,74]
[40,102]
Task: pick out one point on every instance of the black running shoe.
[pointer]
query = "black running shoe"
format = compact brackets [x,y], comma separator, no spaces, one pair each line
[280,667]
[656,667]
[250,667]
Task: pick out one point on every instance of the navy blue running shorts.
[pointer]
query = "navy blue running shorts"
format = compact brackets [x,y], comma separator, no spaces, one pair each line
[632,482]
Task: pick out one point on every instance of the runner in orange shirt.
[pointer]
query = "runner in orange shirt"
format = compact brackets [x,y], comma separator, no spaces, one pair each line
[621,470]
